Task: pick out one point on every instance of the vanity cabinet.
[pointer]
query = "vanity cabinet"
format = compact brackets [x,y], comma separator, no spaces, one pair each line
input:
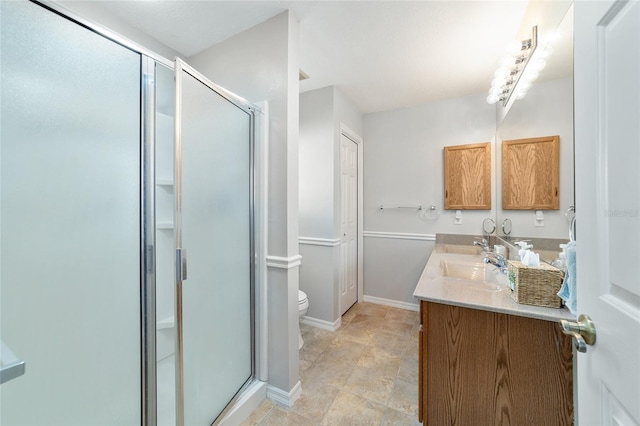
[480,367]
[531,174]
[467,177]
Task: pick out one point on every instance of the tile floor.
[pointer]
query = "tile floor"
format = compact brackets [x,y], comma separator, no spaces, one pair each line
[366,373]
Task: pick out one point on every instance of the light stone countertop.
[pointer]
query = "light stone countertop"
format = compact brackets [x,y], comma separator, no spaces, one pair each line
[433,286]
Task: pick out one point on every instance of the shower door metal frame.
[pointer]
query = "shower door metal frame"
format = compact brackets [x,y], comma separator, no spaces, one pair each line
[181,258]
[148,254]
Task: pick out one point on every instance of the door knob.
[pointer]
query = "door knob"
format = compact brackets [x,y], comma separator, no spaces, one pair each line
[583,331]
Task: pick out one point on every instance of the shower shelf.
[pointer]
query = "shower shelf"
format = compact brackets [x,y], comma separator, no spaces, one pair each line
[164,225]
[164,182]
[165,323]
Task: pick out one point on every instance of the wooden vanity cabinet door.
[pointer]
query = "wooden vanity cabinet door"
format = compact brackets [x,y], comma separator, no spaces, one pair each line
[489,368]
[467,177]
[531,174]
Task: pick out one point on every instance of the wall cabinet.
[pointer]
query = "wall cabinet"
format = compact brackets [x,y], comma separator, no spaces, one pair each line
[531,174]
[467,177]
[481,367]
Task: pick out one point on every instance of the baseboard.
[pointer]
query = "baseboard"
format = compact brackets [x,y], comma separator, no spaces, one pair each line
[248,402]
[284,398]
[392,303]
[325,325]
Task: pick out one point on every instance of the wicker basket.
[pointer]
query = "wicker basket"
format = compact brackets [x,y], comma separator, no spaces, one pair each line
[535,285]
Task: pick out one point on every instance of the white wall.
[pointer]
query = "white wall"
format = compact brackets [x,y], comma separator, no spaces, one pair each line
[403,166]
[546,110]
[345,111]
[321,113]
[317,163]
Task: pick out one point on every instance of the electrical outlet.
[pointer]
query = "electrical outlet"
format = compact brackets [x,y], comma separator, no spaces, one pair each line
[457,219]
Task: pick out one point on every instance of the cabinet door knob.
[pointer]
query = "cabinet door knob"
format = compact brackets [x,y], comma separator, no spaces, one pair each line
[583,331]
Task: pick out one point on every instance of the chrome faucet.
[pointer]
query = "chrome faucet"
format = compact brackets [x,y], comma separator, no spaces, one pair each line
[496,260]
[482,242]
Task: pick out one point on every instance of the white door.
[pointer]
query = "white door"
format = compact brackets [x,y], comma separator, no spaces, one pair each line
[348,223]
[607,113]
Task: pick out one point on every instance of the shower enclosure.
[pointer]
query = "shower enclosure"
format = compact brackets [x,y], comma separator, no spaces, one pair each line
[126,219]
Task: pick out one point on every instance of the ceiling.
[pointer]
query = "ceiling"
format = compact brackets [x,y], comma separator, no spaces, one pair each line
[383,55]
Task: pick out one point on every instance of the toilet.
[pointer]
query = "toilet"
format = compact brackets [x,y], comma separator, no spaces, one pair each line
[303,307]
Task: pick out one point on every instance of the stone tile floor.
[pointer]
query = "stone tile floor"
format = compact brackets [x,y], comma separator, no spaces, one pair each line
[366,373]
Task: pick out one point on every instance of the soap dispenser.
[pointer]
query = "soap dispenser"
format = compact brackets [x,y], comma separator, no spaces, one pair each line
[561,261]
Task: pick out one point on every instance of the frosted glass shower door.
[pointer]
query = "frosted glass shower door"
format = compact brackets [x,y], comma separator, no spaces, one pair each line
[70,221]
[213,184]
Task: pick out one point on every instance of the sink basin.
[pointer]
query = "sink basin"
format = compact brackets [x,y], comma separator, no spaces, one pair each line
[486,276]
[466,271]
[459,249]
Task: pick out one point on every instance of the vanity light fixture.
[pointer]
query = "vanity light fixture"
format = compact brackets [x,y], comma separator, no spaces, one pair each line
[516,68]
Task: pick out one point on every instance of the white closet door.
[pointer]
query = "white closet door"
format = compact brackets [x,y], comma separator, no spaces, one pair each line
[348,223]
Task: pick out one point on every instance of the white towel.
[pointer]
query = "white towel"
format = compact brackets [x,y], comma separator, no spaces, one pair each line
[568,290]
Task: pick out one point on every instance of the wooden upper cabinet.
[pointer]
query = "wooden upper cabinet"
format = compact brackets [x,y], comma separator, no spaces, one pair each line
[467,177]
[531,174]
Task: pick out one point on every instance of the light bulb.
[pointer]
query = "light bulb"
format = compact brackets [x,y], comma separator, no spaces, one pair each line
[514,47]
[537,65]
[496,91]
[497,83]
[492,99]
[524,86]
[501,73]
[507,62]
[531,76]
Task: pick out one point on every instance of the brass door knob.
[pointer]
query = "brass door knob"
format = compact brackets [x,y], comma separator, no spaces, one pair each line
[583,331]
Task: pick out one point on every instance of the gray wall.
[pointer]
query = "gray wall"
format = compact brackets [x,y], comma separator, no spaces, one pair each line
[317,178]
[317,163]
[321,113]
[393,267]
[403,166]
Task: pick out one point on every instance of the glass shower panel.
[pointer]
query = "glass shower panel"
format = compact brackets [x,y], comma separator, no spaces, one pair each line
[216,233]
[70,221]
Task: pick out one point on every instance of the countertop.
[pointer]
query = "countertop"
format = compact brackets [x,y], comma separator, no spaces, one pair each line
[433,286]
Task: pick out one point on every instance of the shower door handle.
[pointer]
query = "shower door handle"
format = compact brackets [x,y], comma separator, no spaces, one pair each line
[12,367]
[181,264]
